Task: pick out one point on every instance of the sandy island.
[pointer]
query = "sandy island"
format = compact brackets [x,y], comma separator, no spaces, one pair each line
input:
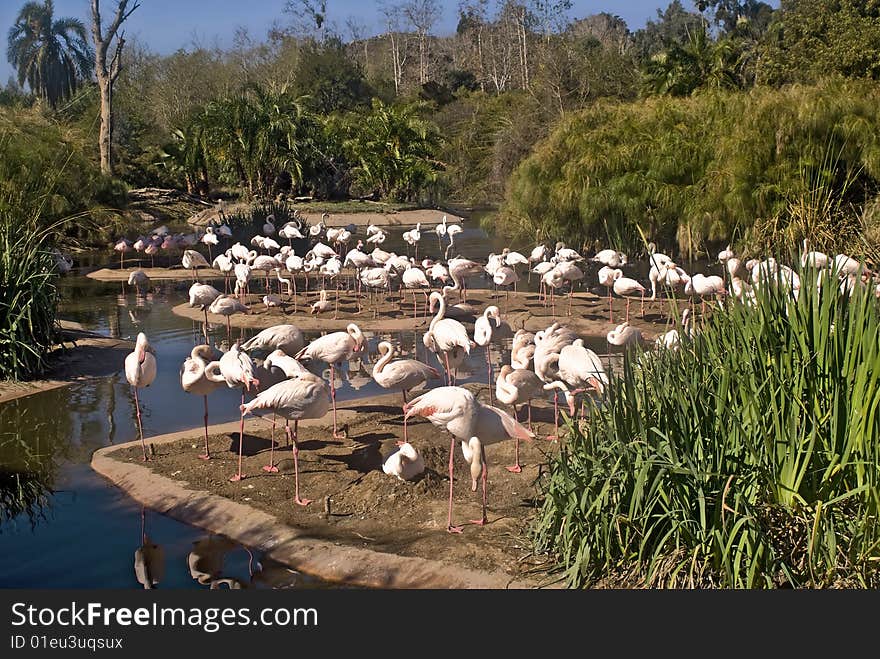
[364,528]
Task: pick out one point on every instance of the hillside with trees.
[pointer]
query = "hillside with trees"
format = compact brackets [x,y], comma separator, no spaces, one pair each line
[573,124]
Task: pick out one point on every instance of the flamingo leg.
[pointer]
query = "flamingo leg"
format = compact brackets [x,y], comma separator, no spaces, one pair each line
[336,434]
[555,434]
[610,319]
[516,467]
[489,371]
[271,468]
[207,454]
[643,303]
[205,309]
[296,498]
[228,332]
[484,477]
[530,415]
[240,476]
[448,374]
[449,527]
[137,407]
[627,309]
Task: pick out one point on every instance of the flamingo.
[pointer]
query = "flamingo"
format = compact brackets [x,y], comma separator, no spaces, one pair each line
[624,286]
[287,338]
[611,258]
[227,305]
[492,425]
[224,264]
[123,246]
[140,371]
[403,374]
[816,260]
[483,337]
[203,295]
[199,375]
[672,338]
[193,260]
[332,349]
[445,334]
[515,386]
[440,230]
[237,370]
[453,409]
[570,273]
[412,238]
[210,238]
[505,276]
[322,305]
[269,225]
[702,285]
[522,349]
[624,335]
[302,397]
[414,278]
[549,344]
[272,300]
[459,270]
[140,280]
[406,463]
[606,279]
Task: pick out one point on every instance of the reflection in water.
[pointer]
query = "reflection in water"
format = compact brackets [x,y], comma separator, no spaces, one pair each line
[149,559]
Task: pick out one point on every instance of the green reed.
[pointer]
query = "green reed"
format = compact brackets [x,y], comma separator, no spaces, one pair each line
[750,457]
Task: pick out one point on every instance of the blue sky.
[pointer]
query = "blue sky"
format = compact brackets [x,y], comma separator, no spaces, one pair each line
[166,25]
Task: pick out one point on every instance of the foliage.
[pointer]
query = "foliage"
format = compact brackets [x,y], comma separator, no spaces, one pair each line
[253,136]
[809,39]
[748,458]
[394,150]
[329,79]
[676,168]
[52,55]
[697,63]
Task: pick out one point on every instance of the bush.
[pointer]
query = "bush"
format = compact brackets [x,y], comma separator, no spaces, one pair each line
[749,457]
[696,172]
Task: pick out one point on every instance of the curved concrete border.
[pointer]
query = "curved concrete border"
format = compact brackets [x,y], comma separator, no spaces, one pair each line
[285,544]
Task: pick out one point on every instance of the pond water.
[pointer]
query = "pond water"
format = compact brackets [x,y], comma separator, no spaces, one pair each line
[83,532]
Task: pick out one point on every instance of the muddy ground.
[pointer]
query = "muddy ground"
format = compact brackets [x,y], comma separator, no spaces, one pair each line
[357,504]
[589,312]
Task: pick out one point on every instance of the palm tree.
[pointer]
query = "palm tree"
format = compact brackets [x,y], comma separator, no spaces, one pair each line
[52,56]
[394,150]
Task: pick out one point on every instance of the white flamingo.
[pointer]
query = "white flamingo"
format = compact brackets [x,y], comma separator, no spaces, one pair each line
[402,374]
[237,370]
[483,328]
[193,260]
[626,287]
[334,348]
[200,375]
[445,334]
[140,371]
[406,463]
[227,305]
[518,386]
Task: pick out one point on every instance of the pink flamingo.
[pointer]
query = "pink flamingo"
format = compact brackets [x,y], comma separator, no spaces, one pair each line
[403,374]
[302,397]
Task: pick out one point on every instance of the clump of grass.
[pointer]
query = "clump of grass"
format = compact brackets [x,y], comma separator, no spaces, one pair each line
[750,457]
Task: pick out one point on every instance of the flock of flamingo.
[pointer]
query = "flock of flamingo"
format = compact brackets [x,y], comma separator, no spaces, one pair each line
[273,364]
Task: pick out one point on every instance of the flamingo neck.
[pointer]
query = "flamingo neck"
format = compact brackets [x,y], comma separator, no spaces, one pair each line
[441,311]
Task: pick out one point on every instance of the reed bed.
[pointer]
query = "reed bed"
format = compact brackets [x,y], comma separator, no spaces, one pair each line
[748,458]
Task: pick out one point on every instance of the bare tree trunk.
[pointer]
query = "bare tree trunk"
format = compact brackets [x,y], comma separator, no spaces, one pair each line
[107,72]
[480,58]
